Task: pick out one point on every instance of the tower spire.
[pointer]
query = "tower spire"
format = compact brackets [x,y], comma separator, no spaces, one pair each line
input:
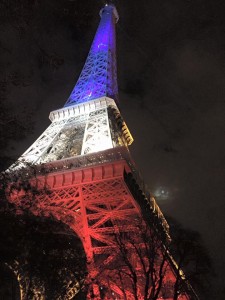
[99,75]
[90,120]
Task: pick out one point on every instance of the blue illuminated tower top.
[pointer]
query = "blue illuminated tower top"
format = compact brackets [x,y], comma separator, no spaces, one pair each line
[99,75]
[90,121]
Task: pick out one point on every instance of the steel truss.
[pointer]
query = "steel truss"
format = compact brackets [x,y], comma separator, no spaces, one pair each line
[79,131]
[99,76]
[97,204]
[97,136]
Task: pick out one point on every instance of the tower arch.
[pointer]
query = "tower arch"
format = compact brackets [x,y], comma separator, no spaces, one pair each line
[44,256]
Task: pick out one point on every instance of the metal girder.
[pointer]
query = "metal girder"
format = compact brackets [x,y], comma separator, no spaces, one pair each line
[99,75]
[97,136]
[96,210]
[76,135]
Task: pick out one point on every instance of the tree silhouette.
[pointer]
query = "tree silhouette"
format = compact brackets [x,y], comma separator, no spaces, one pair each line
[191,257]
[144,264]
[45,255]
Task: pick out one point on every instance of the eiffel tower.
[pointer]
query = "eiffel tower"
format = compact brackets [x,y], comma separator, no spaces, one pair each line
[94,186]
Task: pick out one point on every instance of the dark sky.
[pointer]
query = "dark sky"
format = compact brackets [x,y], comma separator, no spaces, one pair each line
[171,60]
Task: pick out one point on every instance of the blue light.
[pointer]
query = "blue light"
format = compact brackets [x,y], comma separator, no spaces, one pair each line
[99,77]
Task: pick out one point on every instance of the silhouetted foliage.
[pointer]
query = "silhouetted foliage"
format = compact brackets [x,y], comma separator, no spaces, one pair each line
[145,263]
[47,253]
[192,257]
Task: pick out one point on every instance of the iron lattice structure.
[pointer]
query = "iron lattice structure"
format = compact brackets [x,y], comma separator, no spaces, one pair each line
[97,202]
[99,76]
[92,183]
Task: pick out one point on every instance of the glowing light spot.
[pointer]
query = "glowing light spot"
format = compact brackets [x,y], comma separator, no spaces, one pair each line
[161,193]
[101,45]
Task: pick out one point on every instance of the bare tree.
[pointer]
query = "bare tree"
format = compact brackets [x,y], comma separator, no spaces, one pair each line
[143,262]
[142,268]
[192,260]
[145,268]
[45,255]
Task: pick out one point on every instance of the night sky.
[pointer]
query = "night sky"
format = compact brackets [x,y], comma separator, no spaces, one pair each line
[171,75]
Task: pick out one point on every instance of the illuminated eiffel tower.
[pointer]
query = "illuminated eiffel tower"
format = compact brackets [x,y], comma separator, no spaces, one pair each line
[94,186]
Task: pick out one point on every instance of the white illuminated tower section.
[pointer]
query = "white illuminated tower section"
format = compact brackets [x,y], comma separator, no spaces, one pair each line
[84,125]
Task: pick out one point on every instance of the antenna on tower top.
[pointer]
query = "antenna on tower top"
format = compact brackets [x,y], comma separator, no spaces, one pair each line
[110,6]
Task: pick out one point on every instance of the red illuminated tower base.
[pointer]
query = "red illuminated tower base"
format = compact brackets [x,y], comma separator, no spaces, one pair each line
[102,204]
